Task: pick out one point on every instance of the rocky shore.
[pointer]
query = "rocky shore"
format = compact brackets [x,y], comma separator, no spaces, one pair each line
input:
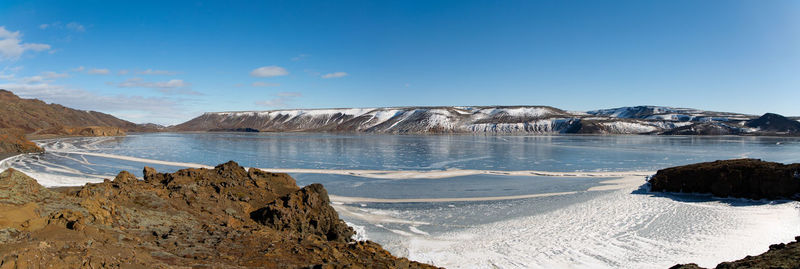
[226,217]
[742,178]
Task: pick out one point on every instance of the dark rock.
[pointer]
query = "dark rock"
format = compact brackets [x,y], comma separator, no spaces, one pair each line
[705,128]
[743,178]
[125,177]
[307,210]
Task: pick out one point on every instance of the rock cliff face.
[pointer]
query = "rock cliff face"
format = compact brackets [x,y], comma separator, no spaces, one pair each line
[485,120]
[743,178]
[80,131]
[226,217]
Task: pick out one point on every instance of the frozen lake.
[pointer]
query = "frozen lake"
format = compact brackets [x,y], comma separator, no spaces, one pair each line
[482,201]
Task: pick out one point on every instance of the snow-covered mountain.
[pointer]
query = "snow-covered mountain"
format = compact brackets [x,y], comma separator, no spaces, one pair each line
[479,119]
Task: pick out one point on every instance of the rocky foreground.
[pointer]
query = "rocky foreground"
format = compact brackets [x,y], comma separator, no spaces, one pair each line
[226,217]
[742,178]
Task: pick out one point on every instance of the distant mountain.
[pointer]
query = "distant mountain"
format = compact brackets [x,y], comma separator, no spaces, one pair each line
[774,123]
[482,119]
[32,115]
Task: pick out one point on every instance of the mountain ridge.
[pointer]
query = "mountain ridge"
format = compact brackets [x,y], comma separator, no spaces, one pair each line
[517,119]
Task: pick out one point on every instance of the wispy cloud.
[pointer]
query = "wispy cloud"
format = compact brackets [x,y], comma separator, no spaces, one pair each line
[140,83]
[265,84]
[300,57]
[72,26]
[173,86]
[289,94]
[54,75]
[282,99]
[161,110]
[335,75]
[269,71]
[98,71]
[123,72]
[156,72]
[12,47]
[78,69]
[77,27]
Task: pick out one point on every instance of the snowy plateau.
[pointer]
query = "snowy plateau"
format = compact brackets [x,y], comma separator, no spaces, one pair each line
[486,120]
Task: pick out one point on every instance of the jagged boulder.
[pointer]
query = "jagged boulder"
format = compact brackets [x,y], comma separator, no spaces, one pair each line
[305,211]
[744,178]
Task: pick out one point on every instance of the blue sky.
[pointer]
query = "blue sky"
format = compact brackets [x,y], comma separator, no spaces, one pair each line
[169,61]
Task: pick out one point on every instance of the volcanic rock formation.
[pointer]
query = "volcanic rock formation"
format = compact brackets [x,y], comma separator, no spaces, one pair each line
[226,217]
[743,178]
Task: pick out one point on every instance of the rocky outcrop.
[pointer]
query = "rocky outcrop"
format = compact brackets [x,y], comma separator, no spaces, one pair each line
[706,128]
[744,178]
[62,131]
[13,141]
[778,256]
[305,211]
[226,217]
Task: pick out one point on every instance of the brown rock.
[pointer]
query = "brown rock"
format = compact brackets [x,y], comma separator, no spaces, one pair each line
[191,218]
[305,211]
[14,141]
[125,177]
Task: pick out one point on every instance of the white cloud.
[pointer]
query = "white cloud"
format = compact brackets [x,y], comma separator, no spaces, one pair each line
[98,71]
[78,69]
[31,79]
[335,75]
[289,94]
[123,72]
[11,46]
[140,83]
[72,26]
[300,57]
[265,84]
[162,110]
[156,72]
[54,75]
[283,99]
[269,71]
[77,27]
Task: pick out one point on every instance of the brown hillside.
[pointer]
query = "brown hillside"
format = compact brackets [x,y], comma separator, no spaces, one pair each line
[31,115]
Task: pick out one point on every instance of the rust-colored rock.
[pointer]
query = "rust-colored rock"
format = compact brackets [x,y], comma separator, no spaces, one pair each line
[14,141]
[305,211]
[226,217]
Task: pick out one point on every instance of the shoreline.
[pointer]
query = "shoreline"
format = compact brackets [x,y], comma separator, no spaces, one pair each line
[385,174]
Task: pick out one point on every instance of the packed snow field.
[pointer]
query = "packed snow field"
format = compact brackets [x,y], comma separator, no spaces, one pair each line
[481,201]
